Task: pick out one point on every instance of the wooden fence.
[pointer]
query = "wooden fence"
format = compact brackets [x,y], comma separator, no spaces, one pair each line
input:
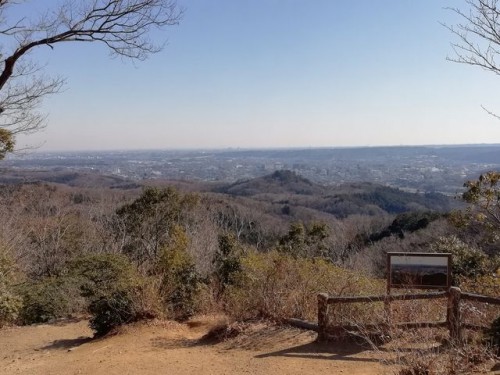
[453,316]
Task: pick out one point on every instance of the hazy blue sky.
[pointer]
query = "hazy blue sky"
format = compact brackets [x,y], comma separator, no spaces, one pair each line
[276,73]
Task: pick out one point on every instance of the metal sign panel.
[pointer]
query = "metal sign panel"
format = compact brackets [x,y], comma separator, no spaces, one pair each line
[418,270]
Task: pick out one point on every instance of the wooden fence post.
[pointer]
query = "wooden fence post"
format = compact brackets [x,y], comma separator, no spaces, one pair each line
[322,317]
[387,309]
[454,319]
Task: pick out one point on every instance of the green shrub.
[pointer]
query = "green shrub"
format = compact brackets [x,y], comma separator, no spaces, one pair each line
[180,283]
[101,275]
[10,302]
[149,220]
[122,307]
[115,292]
[109,312]
[467,261]
[49,299]
[10,306]
[226,262]
[305,240]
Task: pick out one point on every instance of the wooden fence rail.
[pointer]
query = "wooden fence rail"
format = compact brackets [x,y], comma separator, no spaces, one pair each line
[453,319]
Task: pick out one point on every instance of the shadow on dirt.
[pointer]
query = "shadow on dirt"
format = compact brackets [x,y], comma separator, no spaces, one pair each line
[242,336]
[329,351]
[68,343]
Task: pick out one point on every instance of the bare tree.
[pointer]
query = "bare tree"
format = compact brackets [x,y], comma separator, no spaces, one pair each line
[478,36]
[122,25]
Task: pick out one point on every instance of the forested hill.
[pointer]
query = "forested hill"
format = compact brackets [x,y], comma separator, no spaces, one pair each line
[285,191]
[292,190]
[279,182]
[74,178]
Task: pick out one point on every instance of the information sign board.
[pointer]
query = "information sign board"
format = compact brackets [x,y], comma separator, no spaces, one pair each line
[419,270]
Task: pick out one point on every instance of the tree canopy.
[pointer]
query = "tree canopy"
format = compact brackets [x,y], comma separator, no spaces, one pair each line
[122,25]
[484,196]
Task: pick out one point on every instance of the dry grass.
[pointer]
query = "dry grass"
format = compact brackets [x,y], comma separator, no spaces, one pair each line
[426,351]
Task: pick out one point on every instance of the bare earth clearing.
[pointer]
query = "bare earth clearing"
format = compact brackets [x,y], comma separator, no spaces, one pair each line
[173,348]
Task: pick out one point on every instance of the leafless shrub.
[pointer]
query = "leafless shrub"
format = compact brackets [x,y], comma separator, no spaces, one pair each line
[277,286]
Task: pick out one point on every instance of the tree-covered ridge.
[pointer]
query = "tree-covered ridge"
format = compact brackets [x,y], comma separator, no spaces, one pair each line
[74,178]
[279,182]
[290,189]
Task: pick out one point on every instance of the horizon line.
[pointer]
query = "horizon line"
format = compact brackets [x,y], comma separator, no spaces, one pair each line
[251,148]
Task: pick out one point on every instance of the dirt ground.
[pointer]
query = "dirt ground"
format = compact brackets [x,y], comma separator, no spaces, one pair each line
[172,348]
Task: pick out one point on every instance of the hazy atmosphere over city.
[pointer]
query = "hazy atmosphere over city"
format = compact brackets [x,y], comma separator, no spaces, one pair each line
[276,73]
[286,187]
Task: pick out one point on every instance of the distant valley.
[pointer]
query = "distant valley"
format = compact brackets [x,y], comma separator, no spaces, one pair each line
[426,169]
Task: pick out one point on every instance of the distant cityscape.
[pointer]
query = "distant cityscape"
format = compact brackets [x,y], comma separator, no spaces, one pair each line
[418,169]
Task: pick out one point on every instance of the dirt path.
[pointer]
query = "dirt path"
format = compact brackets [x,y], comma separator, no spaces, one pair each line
[172,348]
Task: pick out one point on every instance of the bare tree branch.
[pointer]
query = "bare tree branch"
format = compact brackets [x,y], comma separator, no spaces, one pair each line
[478,36]
[490,113]
[123,26]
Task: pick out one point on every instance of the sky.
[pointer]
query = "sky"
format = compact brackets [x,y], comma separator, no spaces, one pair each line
[274,73]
